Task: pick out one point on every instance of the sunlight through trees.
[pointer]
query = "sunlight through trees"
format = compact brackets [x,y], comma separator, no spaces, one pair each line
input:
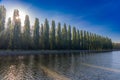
[47,37]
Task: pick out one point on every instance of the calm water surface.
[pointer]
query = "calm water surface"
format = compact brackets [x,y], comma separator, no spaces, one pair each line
[75,66]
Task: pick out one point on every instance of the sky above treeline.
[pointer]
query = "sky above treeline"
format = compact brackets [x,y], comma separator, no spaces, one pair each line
[96,16]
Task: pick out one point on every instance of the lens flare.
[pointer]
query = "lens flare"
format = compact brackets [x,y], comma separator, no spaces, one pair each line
[17,17]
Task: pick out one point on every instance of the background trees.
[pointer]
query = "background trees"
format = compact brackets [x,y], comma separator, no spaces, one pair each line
[116,46]
[45,37]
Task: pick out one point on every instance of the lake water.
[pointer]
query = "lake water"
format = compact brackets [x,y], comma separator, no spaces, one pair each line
[73,66]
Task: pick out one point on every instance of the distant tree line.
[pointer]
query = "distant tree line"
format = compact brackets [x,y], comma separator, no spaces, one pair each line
[116,46]
[46,36]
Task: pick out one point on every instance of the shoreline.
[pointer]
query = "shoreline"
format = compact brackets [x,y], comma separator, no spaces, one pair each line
[37,52]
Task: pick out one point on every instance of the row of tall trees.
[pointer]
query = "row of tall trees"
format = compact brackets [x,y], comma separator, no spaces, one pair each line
[46,36]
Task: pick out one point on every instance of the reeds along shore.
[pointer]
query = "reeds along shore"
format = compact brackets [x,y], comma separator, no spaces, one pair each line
[46,36]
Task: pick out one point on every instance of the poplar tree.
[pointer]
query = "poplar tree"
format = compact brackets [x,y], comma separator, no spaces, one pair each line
[46,34]
[81,39]
[10,33]
[16,30]
[26,33]
[73,38]
[64,37]
[90,41]
[78,40]
[2,17]
[2,26]
[69,38]
[52,36]
[58,37]
[36,34]
[41,37]
[85,41]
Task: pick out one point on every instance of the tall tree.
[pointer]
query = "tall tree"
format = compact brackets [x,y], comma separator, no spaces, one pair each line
[81,39]
[90,41]
[78,40]
[58,37]
[36,33]
[2,17]
[73,38]
[46,34]
[52,36]
[41,37]
[69,38]
[2,26]
[64,37]
[26,33]
[16,30]
[10,34]
[85,41]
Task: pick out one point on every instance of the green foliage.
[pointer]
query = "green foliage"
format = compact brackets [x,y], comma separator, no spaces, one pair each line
[46,34]
[78,40]
[10,33]
[26,33]
[42,46]
[16,30]
[58,37]
[2,17]
[85,41]
[81,40]
[64,37]
[74,43]
[36,34]
[52,36]
[69,43]
[41,37]
[2,27]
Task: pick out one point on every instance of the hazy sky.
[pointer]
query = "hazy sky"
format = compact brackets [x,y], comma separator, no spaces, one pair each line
[97,16]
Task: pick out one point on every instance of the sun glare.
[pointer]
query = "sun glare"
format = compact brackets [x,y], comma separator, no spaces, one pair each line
[17,17]
[21,16]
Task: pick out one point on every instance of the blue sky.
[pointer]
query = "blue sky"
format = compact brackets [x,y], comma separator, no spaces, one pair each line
[97,16]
